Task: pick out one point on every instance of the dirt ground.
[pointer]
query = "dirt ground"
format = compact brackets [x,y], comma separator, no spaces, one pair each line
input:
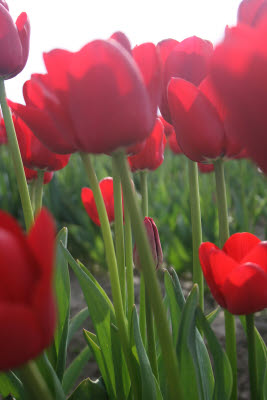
[91,369]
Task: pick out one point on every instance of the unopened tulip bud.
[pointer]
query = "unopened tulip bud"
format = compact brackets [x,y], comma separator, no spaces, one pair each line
[154,241]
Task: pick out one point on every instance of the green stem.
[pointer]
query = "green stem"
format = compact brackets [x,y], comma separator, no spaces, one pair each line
[129,260]
[230,335]
[16,157]
[32,194]
[34,383]
[119,234]
[196,227]
[39,191]
[252,356]
[151,343]
[113,271]
[146,259]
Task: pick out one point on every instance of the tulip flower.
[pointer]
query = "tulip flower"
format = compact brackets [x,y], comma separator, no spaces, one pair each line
[34,154]
[188,60]
[106,187]
[237,274]
[27,309]
[31,175]
[155,245]
[14,42]
[152,154]
[86,100]
[238,71]
[250,12]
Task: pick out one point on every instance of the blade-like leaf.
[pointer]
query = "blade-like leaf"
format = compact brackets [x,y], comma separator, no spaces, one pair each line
[75,368]
[213,315]
[50,377]
[10,384]
[89,390]
[77,321]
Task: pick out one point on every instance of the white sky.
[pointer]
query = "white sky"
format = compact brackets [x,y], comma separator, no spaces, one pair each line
[70,24]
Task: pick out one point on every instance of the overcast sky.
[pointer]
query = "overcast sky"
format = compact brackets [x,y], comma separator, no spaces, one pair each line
[70,24]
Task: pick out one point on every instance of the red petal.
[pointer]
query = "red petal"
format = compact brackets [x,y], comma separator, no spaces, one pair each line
[199,130]
[122,39]
[90,205]
[257,255]
[24,30]
[245,289]
[239,245]
[251,11]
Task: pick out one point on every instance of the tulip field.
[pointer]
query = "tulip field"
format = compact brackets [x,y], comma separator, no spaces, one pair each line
[133,214]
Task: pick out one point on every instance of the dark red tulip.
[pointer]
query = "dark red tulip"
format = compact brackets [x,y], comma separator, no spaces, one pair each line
[31,175]
[34,154]
[152,154]
[106,187]
[155,245]
[27,309]
[251,12]
[205,168]
[188,60]
[14,42]
[237,274]
[238,70]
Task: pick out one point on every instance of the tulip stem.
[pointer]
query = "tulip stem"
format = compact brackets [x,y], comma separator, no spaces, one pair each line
[196,227]
[129,260]
[32,194]
[113,271]
[142,312]
[252,364]
[230,335]
[119,233]
[154,293]
[39,191]
[16,157]
[34,383]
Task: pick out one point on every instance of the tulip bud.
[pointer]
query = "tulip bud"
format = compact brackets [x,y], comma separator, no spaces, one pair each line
[154,241]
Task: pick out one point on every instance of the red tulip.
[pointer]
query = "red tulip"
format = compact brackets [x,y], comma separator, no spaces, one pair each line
[34,154]
[239,69]
[31,175]
[188,60]
[250,12]
[27,309]
[93,100]
[106,187]
[237,274]
[152,154]
[155,245]
[122,39]
[14,42]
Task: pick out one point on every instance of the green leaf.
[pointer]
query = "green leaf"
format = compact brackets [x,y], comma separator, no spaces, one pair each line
[150,389]
[213,315]
[10,384]
[73,371]
[50,377]
[89,390]
[261,359]
[175,310]
[102,314]
[196,372]
[77,321]
[222,368]
[62,287]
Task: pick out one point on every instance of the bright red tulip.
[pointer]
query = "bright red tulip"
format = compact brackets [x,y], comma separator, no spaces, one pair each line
[188,60]
[27,309]
[251,12]
[14,42]
[93,100]
[239,70]
[152,154]
[31,175]
[155,245]
[106,187]
[34,154]
[237,274]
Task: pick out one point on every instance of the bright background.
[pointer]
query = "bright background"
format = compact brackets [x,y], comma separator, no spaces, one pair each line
[70,24]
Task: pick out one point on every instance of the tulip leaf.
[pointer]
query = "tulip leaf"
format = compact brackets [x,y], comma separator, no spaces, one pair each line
[77,321]
[261,359]
[11,385]
[213,315]
[102,314]
[196,371]
[175,309]
[150,388]
[62,287]
[222,368]
[50,377]
[73,371]
[89,390]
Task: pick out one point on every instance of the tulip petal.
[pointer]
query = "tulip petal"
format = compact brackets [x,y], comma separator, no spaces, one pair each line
[245,289]
[239,245]
[257,255]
